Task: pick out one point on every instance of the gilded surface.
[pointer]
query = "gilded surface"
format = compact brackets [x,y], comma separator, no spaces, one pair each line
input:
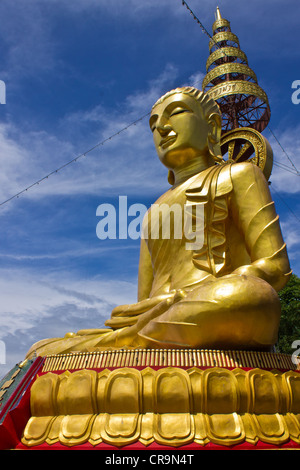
[234,87]
[207,298]
[229,81]
[224,52]
[227,68]
[186,358]
[253,143]
[169,406]
[219,293]
[223,36]
[221,23]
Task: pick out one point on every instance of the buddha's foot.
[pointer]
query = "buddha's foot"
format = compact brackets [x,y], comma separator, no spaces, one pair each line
[83,340]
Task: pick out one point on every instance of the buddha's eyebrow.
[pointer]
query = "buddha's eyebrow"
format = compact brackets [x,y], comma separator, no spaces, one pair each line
[171,106]
[177,104]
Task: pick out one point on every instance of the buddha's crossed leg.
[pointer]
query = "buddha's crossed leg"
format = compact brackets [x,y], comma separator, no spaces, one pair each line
[233,312]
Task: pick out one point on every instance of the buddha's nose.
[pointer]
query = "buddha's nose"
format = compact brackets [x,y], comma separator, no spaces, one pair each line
[163,127]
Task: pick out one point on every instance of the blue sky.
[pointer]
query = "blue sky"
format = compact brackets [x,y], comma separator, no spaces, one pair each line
[76,73]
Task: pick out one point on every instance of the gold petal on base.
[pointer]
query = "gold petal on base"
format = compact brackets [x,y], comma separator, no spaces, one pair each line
[53,435]
[271,428]
[174,429]
[225,429]
[250,429]
[170,406]
[174,425]
[200,429]
[293,427]
[98,425]
[75,429]
[121,429]
[37,430]
[121,425]
[147,427]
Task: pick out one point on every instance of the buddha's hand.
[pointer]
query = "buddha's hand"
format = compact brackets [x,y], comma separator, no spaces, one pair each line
[128,315]
[146,304]
[179,295]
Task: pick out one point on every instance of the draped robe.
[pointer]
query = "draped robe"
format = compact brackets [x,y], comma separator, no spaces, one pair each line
[221,294]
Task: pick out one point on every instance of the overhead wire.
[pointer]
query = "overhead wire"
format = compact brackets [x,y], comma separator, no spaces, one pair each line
[285,167]
[204,30]
[288,157]
[57,170]
[74,159]
[293,170]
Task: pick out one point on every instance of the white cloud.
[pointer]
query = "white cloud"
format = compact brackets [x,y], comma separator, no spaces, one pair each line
[34,307]
[142,101]
[196,80]
[69,250]
[121,162]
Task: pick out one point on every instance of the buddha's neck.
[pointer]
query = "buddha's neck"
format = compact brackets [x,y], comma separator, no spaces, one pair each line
[190,169]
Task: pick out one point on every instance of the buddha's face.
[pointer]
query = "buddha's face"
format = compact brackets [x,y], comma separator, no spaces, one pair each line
[180,131]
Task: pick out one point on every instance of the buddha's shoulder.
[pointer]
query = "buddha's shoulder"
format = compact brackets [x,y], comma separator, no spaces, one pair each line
[238,176]
[245,170]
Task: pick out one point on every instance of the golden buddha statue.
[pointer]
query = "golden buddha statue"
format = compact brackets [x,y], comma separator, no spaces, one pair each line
[222,293]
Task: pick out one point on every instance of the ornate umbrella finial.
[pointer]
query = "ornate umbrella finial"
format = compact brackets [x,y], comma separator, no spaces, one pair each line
[232,83]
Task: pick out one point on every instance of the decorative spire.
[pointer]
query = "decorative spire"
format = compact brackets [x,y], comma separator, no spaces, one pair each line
[218,14]
[232,83]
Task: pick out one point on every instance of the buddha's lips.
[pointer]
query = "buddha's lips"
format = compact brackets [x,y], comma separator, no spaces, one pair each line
[167,141]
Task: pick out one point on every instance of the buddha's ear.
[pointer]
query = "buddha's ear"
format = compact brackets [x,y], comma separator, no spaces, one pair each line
[171,177]
[214,135]
[215,128]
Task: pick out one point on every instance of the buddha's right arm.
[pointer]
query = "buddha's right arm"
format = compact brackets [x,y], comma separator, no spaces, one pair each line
[128,315]
[145,275]
[254,212]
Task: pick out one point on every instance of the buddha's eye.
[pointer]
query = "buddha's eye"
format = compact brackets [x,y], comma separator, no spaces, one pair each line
[179,111]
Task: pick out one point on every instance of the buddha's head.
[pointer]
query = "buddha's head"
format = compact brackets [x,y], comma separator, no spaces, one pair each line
[186,125]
